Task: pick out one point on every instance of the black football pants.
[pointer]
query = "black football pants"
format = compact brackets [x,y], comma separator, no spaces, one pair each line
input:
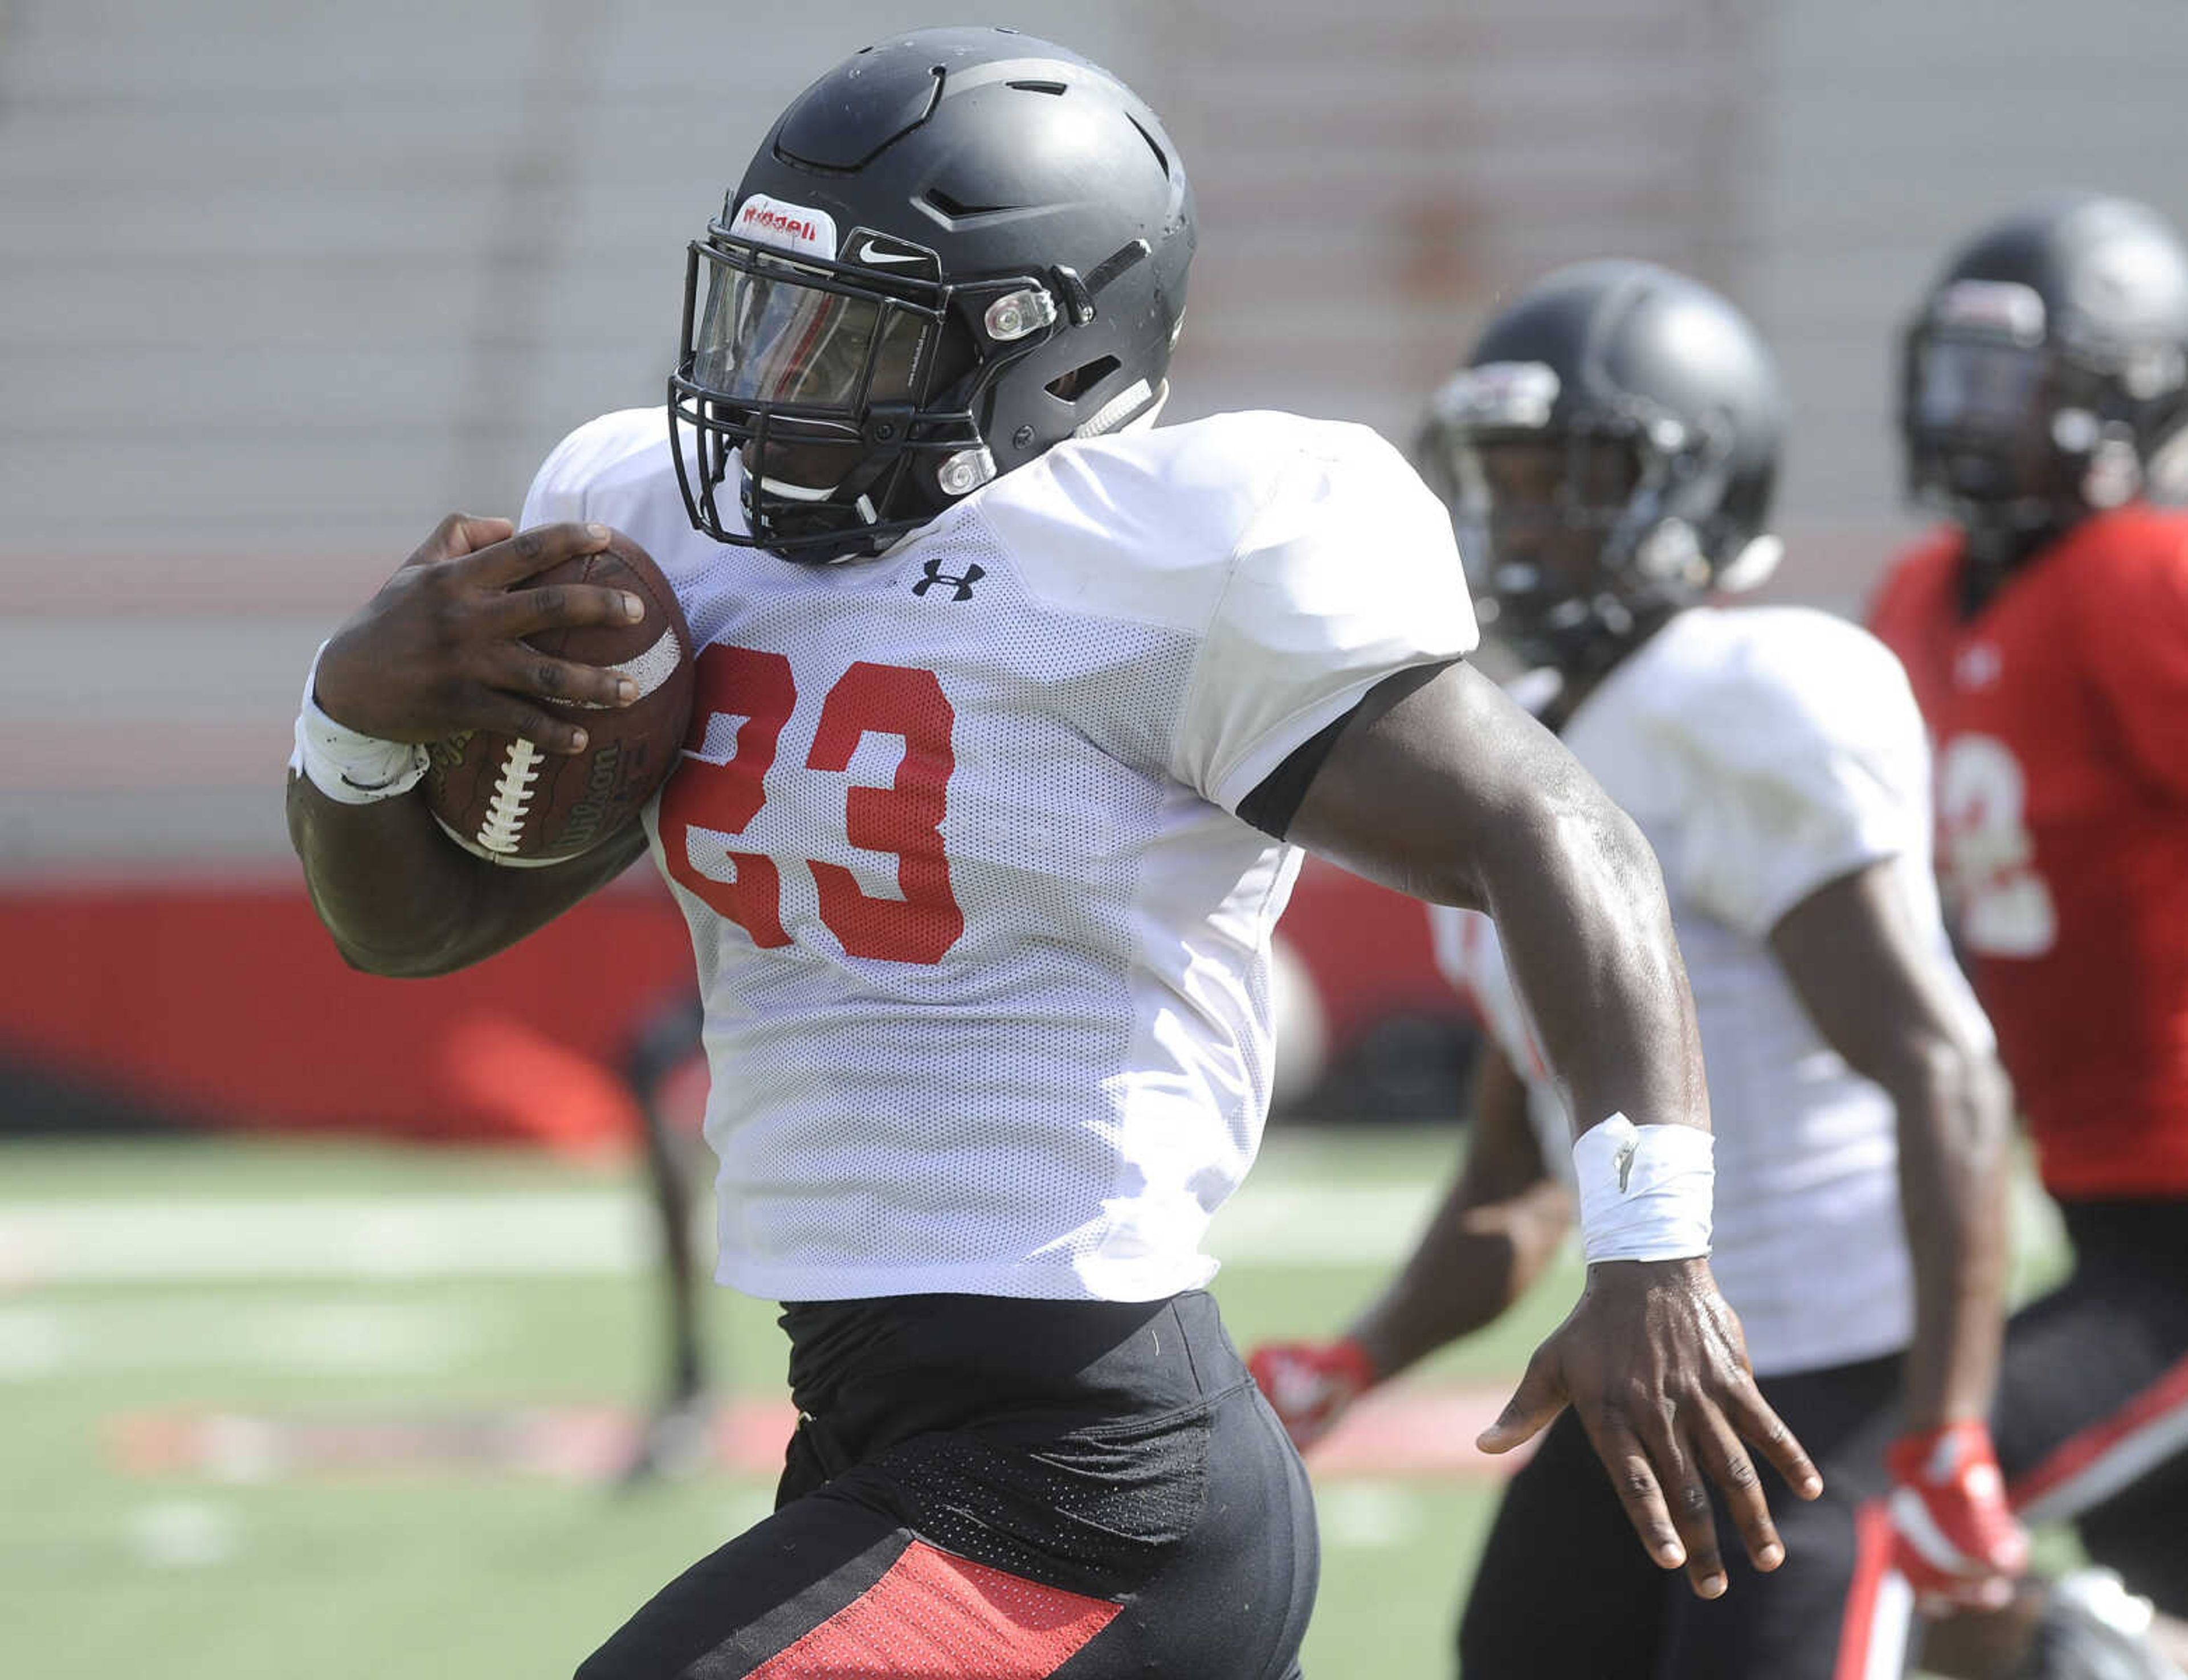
[1565,1591]
[2092,1415]
[1001,1490]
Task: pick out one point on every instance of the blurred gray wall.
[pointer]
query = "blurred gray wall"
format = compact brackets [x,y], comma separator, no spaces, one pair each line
[280,285]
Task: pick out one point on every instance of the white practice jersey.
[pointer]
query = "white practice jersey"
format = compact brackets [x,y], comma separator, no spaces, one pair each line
[1765,751]
[984,945]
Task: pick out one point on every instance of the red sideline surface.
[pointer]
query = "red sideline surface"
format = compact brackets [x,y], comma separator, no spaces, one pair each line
[226,1003]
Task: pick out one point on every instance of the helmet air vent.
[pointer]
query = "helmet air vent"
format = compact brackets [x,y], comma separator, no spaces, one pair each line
[956,210]
[1162,158]
[1069,387]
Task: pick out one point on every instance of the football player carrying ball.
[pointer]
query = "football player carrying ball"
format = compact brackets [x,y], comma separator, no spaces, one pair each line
[1013,714]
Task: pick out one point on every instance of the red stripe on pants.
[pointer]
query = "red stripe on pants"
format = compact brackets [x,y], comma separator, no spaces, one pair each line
[1872,1552]
[2079,1454]
[936,1617]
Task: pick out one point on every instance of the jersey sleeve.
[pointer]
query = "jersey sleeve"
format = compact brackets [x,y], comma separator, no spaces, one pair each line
[557,492]
[1346,572]
[1807,762]
[558,489]
[2134,636]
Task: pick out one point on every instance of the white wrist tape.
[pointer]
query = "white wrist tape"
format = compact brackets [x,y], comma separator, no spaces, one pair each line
[1645,1191]
[353,769]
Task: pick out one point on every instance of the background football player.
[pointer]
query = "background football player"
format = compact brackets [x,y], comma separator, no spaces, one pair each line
[1609,453]
[2045,630]
[1008,706]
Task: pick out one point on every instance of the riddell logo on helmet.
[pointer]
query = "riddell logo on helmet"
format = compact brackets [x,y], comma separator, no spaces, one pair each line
[775,222]
[789,227]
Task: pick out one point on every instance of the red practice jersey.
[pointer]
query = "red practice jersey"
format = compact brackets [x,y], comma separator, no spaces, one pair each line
[2059,716]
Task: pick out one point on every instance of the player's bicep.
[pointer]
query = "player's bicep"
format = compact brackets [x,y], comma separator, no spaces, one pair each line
[1437,774]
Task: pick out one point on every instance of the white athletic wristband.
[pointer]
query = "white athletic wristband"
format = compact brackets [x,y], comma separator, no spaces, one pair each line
[353,769]
[1645,1191]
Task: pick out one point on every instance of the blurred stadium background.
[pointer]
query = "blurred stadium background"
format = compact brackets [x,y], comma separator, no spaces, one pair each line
[280,285]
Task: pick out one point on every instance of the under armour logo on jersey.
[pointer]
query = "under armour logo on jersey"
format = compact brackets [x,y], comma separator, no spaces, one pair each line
[935,574]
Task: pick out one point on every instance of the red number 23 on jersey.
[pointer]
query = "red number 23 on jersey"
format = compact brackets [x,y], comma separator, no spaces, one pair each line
[905,818]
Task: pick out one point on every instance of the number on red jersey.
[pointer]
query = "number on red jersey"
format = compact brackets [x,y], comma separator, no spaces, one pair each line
[2001,904]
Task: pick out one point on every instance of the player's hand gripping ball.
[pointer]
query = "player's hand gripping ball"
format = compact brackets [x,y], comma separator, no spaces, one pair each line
[501,796]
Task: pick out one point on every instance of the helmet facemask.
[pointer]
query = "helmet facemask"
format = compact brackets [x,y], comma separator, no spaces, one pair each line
[1583,534]
[2016,426]
[851,400]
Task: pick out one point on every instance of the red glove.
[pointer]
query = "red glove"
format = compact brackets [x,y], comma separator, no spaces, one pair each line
[1952,1537]
[1312,1384]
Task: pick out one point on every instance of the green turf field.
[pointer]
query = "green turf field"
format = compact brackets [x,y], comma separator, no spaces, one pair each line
[173,1314]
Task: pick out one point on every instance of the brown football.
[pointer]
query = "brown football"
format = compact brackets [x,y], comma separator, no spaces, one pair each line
[501,796]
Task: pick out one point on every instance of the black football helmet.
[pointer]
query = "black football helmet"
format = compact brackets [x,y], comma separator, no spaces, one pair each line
[2046,364]
[956,249]
[1651,388]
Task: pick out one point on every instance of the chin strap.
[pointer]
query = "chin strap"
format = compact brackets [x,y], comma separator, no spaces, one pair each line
[1132,410]
[820,540]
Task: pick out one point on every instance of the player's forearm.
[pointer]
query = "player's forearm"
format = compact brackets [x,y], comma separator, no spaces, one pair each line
[1579,901]
[1953,1183]
[400,899]
[397,897]
[1497,1226]
[1475,1259]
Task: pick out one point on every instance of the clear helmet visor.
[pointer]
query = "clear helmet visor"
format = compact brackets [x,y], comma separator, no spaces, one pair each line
[1964,385]
[767,334]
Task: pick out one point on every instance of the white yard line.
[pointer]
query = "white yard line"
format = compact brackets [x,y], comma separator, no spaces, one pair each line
[583,1233]
[511,1234]
[54,1337]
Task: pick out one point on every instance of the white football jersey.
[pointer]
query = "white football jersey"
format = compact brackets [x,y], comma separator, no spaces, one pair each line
[984,948]
[1765,751]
